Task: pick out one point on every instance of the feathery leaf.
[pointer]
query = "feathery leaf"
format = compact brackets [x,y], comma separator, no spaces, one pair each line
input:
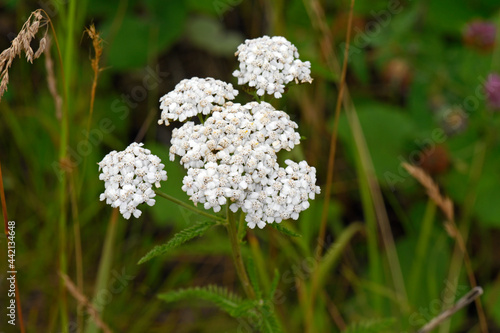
[221,297]
[284,230]
[178,239]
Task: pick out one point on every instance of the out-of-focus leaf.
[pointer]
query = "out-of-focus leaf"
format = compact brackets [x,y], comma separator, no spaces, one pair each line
[170,17]
[140,37]
[129,47]
[213,7]
[209,34]
[446,16]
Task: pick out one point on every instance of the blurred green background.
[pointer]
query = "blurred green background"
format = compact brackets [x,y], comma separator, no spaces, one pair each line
[418,87]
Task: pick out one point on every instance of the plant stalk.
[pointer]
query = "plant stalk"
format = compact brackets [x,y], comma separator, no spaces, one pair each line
[237,257]
[191,208]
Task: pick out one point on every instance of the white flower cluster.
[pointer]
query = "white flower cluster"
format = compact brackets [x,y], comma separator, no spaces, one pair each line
[234,130]
[194,96]
[269,63]
[268,194]
[231,159]
[129,176]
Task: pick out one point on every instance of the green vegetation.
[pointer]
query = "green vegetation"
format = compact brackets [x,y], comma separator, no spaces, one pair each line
[387,251]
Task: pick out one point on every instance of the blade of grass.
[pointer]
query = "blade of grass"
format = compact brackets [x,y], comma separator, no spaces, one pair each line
[78,250]
[332,256]
[104,266]
[421,250]
[329,176]
[259,261]
[333,138]
[317,17]
[63,146]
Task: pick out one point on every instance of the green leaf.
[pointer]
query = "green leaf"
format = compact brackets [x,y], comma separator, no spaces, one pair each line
[129,47]
[139,38]
[372,326]
[178,239]
[225,300]
[169,16]
[209,34]
[284,230]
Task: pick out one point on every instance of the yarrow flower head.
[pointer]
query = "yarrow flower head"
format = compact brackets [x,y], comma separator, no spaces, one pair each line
[269,63]
[231,159]
[128,178]
[492,87]
[233,130]
[194,96]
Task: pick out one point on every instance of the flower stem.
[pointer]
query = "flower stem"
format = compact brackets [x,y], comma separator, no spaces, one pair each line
[238,259]
[191,208]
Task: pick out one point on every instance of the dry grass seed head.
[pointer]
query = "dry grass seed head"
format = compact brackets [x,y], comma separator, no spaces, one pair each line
[97,44]
[22,43]
[444,203]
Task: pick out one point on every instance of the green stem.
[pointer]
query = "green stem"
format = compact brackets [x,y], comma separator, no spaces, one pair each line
[68,47]
[68,57]
[421,250]
[374,260]
[200,117]
[104,267]
[191,208]
[237,257]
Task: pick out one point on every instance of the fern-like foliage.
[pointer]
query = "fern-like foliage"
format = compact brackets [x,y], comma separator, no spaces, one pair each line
[258,314]
[221,297]
[179,238]
[372,326]
[284,230]
[269,321]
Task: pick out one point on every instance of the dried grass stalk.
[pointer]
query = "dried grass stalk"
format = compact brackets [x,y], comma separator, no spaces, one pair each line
[444,203]
[22,43]
[82,300]
[51,81]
